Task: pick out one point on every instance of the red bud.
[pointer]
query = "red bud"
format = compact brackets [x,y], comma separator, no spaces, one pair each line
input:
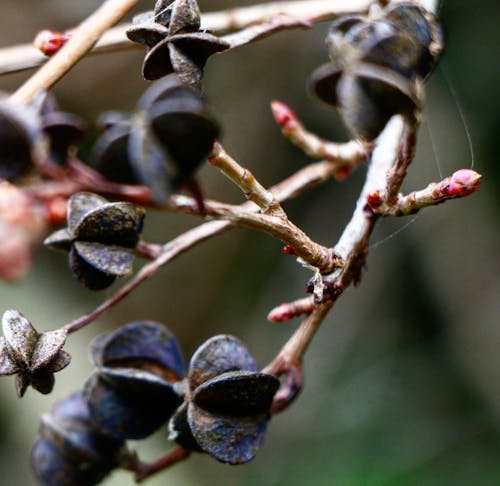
[282,114]
[462,183]
[50,41]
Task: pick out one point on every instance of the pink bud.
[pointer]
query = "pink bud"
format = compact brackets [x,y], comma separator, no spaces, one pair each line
[462,183]
[343,172]
[50,41]
[280,314]
[374,199]
[282,114]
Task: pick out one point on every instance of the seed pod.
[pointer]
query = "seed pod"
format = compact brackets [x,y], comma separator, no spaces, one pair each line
[21,139]
[377,65]
[176,44]
[32,356]
[71,451]
[100,237]
[163,144]
[228,402]
[133,391]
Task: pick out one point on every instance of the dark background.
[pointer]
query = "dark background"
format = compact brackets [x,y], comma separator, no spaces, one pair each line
[403,380]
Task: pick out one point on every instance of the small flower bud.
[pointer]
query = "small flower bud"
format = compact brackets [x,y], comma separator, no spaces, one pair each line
[50,41]
[462,183]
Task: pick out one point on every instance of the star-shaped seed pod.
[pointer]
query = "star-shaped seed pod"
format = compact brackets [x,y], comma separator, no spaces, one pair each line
[21,139]
[101,238]
[377,65]
[227,404]
[163,144]
[32,356]
[182,47]
[71,450]
[134,390]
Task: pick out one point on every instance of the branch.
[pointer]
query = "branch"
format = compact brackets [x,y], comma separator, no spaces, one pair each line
[287,189]
[346,156]
[273,219]
[173,456]
[82,40]
[462,183]
[352,247]
[26,56]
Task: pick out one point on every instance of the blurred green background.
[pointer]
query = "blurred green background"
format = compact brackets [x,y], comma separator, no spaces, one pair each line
[403,380]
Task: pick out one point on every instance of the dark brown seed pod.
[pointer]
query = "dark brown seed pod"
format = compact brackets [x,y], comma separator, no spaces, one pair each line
[228,403]
[133,391]
[183,54]
[64,131]
[101,238]
[21,139]
[377,65]
[172,32]
[32,356]
[71,451]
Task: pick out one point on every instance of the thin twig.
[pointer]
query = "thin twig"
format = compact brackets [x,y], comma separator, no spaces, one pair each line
[462,183]
[346,156]
[173,456]
[82,40]
[26,56]
[278,226]
[352,246]
[290,187]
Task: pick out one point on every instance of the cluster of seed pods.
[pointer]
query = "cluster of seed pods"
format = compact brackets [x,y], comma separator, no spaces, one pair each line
[377,63]
[221,406]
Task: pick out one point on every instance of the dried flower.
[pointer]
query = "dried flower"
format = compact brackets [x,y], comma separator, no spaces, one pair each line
[101,238]
[34,357]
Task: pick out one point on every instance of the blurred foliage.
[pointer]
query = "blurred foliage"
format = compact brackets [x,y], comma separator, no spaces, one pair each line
[403,381]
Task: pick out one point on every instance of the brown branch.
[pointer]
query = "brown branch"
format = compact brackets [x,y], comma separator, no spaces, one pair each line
[173,456]
[82,40]
[290,187]
[26,56]
[288,310]
[346,156]
[352,246]
[462,183]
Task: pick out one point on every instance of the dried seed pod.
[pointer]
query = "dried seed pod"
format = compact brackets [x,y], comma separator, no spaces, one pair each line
[176,43]
[228,403]
[110,154]
[184,128]
[71,451]
[163,144]
[377,65]
[21,139]
[163,11]
[32,356]
[64,130]
[133,390]
[101,238]
[183,54]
